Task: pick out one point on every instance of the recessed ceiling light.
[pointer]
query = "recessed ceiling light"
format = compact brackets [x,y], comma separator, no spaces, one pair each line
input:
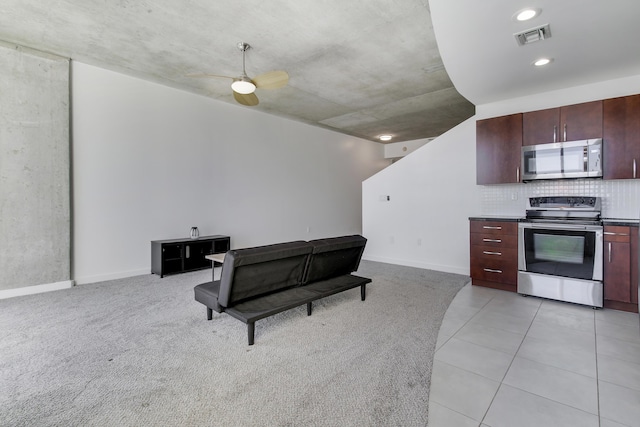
[385,137]
[542,61]
[526,14]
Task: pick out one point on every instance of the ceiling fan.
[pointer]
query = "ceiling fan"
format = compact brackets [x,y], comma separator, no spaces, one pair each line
[244,87]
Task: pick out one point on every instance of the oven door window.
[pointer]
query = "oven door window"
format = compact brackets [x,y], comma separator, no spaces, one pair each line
[560,252]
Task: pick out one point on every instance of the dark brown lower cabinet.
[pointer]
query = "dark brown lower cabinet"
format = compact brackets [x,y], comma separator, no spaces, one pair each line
[621,268]
[494,254]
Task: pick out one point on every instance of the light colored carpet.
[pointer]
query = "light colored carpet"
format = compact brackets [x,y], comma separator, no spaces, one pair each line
[139,351]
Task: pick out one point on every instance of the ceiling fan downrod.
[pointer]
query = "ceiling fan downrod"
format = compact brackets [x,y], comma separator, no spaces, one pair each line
[243,84]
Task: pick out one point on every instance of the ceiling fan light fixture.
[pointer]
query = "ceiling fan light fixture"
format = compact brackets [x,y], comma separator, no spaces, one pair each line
[243,85]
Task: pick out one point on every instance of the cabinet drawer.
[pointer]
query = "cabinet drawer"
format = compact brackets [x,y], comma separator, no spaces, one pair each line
[614,233]
[488,253]
[494,241]
[494,227]
[495,271]
[493,265]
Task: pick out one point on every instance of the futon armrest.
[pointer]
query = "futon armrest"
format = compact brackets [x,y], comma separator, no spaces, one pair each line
[207,294]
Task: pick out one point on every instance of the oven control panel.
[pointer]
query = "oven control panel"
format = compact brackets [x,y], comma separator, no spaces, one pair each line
[565,202]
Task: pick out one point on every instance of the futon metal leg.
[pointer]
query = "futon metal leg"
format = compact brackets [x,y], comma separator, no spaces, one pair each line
[309,308]
[363,292]
[251,327]
[209,313]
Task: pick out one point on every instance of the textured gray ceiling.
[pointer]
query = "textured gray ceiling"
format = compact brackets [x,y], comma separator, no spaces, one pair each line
[363,68]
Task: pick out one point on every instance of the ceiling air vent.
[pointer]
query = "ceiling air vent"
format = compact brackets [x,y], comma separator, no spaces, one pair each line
[533,35]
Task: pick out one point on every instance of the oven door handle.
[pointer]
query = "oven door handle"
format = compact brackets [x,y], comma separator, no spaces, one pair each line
[554,226]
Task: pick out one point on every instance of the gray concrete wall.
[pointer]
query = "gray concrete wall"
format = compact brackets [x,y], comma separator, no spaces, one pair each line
[34,168]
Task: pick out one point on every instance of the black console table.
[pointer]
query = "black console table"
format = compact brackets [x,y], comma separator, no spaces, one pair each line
[175,256]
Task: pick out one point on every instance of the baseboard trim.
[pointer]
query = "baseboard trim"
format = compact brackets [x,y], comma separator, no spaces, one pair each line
[417,264]
[113,276]
[36,289]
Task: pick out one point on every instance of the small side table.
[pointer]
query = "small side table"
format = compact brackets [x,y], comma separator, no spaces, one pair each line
[219,258]
[216,257]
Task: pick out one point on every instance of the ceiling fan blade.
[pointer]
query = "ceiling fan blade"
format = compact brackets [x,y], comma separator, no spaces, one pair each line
[271,80]
[249,99]
[215,76]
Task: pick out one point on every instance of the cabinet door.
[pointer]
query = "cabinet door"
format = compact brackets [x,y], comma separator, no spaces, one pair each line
[621,158]
[541,127]
[617,264]
[581,121]
[194,255]
[634,264]
[172,258]
[568,123]
[498,150]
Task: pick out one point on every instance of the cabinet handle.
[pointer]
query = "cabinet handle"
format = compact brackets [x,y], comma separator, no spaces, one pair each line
[609,252]
[491,253]
[565,132]
[489,270]
[518,174]
[555,133]
[634,168]
[609,233]
[492,240]
[490,227]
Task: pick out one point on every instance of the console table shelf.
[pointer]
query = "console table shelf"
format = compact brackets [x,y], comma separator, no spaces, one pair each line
[175,256]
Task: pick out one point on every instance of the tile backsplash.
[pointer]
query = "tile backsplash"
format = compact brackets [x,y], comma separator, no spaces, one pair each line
[620,198]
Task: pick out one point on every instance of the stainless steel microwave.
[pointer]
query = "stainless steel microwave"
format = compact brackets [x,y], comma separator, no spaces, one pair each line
[571,159]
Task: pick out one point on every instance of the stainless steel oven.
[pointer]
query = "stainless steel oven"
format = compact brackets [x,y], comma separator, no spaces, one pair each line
[560,250]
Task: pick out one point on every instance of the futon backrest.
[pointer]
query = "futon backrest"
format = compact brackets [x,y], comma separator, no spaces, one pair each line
[334,257]
[252,272]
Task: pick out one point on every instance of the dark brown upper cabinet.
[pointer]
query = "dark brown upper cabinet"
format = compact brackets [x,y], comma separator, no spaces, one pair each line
[621,158]
[568,123]
[498,149]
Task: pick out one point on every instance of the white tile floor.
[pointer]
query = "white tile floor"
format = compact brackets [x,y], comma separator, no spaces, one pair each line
[507,360]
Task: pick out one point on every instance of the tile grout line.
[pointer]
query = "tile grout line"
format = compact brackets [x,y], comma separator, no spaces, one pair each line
[510,364]
[463,325]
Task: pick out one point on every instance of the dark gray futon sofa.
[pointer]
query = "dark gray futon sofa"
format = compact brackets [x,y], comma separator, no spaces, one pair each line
[262,281]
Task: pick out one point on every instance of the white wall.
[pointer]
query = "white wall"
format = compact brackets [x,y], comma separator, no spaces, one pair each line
[433,190]
[398,150]
[432,193]
[150,162]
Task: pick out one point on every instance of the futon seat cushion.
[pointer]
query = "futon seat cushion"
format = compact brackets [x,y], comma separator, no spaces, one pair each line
[268,305]
[207,294]
[336,285]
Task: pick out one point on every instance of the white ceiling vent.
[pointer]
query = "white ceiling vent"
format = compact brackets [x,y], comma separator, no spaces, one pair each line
[533,35]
